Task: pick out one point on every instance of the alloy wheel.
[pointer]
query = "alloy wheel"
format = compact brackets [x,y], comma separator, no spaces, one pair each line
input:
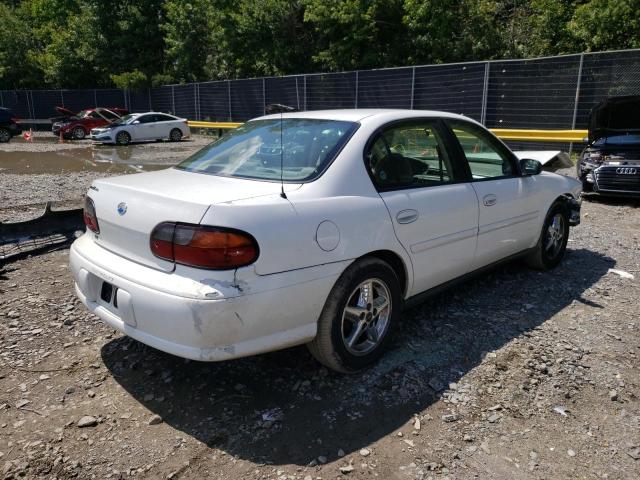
[554,237]
[365,318]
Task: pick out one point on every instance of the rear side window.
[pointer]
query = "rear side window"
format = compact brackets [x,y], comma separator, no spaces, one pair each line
[408,155]
[164,118]
[487,158]
[306,147]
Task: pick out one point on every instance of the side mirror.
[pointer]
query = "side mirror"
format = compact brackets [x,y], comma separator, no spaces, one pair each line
[530,167]
[135,122]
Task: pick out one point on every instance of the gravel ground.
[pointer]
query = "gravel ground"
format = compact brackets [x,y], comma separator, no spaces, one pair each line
[518,374]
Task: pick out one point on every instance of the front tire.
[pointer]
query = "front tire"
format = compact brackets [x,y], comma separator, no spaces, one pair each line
[358,318]
[552,244]
[175,135]
[123,138]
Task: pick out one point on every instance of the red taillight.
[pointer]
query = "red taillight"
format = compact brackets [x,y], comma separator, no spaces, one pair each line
[90,218]
[215,248]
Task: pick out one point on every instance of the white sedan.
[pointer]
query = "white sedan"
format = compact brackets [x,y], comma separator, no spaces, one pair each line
[314,227]
[142,127]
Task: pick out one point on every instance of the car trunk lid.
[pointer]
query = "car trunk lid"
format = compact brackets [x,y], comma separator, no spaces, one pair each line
[128,208]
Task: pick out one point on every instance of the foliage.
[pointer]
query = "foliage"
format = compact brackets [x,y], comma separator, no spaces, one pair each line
[135,43]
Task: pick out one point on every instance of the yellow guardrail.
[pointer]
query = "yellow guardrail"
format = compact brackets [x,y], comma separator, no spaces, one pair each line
[540,135]
[218,125]
[503,133]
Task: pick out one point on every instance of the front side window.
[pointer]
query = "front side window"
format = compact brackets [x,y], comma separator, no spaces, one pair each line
[257,150]
[408,155]
[485,156]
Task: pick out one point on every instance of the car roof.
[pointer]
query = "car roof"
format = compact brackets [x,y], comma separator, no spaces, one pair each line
[151,113]
[360,114]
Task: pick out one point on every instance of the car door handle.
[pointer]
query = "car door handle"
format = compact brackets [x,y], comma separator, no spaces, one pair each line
[407,216]
[489,200]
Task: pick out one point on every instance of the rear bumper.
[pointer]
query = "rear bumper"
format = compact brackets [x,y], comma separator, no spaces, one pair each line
[209,321]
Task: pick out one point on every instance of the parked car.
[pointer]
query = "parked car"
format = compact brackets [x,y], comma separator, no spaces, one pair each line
[317,228]
[9,126]
[143,127]
[610,164]
[78,125]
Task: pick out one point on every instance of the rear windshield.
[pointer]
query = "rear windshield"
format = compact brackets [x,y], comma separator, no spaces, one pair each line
[256,149]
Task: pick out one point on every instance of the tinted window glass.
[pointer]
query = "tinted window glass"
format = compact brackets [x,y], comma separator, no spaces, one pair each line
[409,155]
[631,139]
[147,119]
[164,118]
[486,158]
[254,149]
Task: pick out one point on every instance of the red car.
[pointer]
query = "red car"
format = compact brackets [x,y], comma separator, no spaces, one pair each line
[78,125]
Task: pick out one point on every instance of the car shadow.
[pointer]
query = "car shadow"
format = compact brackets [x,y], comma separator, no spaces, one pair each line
[284,408]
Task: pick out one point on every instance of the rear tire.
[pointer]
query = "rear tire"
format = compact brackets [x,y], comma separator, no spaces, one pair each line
[123,138]
[78,133]
[552,244]
[5,135]
[358,318]
[175,135]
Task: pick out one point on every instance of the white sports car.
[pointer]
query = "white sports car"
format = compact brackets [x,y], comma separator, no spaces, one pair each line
[142,127]
[312,227]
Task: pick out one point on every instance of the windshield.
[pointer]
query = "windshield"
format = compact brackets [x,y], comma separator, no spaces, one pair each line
[629,139]
[254,150]
[123,120]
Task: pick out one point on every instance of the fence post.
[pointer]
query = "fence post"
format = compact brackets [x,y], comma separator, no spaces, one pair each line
[413,86]
[229,98]
[297,95]
[356,99]
[1,99]
[485,94]
[173,100]
[305,93]
[62,97]
[264,97]
[195,100]
[124,94]
[95,98]
[199,115]
[577,100]
[149,96]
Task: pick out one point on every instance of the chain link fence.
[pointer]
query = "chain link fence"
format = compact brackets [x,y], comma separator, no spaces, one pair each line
[541,93]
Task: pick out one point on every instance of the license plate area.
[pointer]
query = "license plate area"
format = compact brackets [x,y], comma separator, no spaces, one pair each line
[109,294]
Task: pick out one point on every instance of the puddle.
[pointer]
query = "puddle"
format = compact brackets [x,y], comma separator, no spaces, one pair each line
[109,159]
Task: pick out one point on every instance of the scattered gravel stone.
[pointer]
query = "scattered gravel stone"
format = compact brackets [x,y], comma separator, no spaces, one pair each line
[155,419]
[87,421]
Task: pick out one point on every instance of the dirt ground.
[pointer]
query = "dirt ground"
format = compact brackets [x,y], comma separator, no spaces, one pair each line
[516,375]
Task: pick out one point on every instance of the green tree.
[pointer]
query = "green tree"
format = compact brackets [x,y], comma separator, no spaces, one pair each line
[606,25]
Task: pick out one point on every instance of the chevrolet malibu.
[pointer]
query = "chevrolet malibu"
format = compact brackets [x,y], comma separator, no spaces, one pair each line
[313,228]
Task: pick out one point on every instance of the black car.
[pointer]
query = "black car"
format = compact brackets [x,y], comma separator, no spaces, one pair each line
[611,162]
[8,126]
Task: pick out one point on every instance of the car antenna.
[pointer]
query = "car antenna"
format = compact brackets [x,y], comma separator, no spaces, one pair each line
[279,108]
